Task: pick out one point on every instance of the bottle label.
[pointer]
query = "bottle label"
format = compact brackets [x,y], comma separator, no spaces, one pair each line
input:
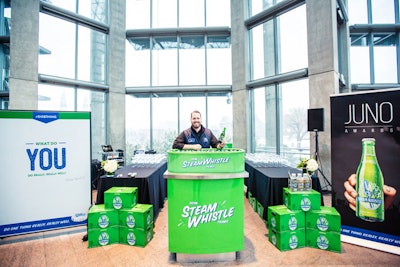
[371,197]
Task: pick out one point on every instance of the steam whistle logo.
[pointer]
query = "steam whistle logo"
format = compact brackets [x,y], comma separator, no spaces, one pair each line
[104,238]
[369,117]
[130,221]
[117,202]
[293,241]
[103,221]
[273,222]
[322,223]
[322,242]
[203,214]
[131,238]
[305,204]
[292,223]
[208,162]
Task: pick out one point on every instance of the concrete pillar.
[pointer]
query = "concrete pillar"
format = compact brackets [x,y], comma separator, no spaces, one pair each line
[322,71]
[116,71]
[240,109]
[24,47]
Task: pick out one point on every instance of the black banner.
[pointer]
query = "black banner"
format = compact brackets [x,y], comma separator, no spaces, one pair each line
[354,117]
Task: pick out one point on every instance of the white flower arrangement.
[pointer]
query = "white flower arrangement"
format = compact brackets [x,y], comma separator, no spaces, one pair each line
[311,165]
[110,165]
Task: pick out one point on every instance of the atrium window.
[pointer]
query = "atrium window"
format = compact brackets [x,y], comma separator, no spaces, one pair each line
[374,44]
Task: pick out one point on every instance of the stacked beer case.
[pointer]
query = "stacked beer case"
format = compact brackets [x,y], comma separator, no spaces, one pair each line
[303,222]
[120,219]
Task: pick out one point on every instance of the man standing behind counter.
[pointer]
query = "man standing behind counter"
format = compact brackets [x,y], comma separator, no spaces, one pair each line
[197,136]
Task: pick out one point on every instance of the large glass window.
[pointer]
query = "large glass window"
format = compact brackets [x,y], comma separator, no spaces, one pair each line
[191,13]
[164,14]
[138,14]
[137,70]
[137,117]
[164,122]
[183,60]
[295,141]
[153,121]
[279,110]
[192,61]
[358,11]
[374,52]
[75,53]
[218,13]
[164,61]
[72,51]
[146,14]
[279,45]
[218,59]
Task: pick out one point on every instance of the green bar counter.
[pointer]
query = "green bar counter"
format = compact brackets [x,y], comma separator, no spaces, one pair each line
[205,204]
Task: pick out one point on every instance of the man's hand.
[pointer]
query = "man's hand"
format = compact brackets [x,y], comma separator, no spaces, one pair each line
[350,194]
[193,147]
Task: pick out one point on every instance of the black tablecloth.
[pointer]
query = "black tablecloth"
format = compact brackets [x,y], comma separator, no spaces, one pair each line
[152,187]
[266,184]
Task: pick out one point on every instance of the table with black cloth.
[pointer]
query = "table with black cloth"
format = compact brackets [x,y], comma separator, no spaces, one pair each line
[152,187]
[266,184]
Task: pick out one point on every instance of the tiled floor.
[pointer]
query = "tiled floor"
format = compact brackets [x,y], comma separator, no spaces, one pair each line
[66,248]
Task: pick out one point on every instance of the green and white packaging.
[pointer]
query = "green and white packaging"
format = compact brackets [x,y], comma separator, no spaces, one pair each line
[98,237]
[287,240]
[329,241]
[100,217]
[136,236]
[120,197]
[301,200]
[280,219]
[140,216]
[325,219]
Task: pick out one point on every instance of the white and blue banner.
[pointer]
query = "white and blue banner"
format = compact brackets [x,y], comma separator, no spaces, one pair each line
[45,160]
[356,116]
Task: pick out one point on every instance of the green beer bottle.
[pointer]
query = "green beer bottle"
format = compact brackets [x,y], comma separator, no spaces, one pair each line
[369,202]
[222,135]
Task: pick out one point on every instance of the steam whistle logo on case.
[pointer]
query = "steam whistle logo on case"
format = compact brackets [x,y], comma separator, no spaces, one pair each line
[204,214]
[369,118]
[322,242]
[103,221]
[322,223]
[130,221]
[131,238]
[104,238]
[292,223]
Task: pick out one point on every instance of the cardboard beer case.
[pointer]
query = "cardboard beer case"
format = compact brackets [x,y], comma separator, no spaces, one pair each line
[120,197]
[100,217]
[253,202]
[140,216]
[287,240]
[135,236]
[325,219]
[260,209]
[98,237]
[324,240]
[281,219]
[301,200]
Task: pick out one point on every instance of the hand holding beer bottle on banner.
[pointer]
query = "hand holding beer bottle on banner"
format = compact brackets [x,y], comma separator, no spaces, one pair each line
[371,197]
